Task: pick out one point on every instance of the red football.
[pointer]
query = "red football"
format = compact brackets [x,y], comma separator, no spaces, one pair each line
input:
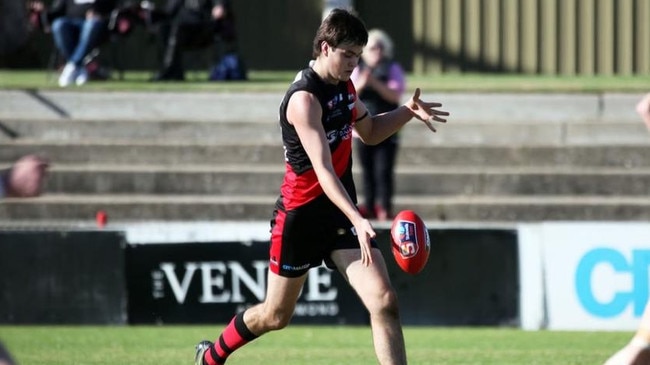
[410,241]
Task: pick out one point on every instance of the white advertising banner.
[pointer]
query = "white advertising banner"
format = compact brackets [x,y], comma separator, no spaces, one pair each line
[595,275]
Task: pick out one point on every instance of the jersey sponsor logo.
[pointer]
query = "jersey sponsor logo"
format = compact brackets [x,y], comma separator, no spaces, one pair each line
[334,101]
[295,268]
[351,98]
[339,134]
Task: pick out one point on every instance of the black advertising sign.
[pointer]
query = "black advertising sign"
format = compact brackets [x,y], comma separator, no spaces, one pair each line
[62,277]
[211,282]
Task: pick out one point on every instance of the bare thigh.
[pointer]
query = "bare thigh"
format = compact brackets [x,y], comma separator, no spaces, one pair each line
[370,282]
[277,308]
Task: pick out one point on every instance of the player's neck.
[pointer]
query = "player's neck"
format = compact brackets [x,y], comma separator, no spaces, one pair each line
[321,70]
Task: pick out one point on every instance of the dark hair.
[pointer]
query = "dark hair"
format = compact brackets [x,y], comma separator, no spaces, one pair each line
[340,26]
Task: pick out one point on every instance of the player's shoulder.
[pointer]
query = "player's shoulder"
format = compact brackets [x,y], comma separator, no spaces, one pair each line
[304,88]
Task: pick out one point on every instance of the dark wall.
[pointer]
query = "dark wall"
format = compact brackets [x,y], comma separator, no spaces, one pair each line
[277,35]
[62,277]
[395,18]
[471,278]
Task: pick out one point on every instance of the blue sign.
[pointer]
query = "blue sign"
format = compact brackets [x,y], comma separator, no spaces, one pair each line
[637,268]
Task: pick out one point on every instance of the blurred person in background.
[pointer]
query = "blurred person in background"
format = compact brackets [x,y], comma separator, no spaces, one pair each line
[380,82]
[25,178]
[637,351]
[643,109]
[191,24]
[77,26]
[5,356]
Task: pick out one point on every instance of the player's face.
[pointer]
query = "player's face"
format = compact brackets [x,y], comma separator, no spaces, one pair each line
[342,60]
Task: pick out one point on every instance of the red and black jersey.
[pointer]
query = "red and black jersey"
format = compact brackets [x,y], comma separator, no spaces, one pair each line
[300,184]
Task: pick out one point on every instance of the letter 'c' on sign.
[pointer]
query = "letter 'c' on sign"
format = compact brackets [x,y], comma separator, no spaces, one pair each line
[583,282]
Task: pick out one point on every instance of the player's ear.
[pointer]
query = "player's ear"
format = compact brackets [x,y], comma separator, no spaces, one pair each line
[325,48]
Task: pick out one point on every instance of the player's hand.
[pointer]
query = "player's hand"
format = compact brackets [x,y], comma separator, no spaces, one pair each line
[365,233]
[427,112]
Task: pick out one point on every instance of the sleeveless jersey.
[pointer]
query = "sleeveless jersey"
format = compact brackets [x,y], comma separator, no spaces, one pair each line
[300,184]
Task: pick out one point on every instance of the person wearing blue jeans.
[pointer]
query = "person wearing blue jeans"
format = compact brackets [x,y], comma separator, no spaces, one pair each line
[77,27]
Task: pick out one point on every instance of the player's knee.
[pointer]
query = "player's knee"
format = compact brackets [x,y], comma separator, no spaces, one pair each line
[385,304]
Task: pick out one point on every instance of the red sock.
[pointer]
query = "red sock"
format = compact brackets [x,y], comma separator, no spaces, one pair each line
[234,336]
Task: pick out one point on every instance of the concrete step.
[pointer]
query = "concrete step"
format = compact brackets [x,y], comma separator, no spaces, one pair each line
[170,153]
[455,132]
[139,208]
[263,106]
[419,180]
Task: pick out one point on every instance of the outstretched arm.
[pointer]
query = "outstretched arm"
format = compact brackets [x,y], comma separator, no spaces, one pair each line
[374,129]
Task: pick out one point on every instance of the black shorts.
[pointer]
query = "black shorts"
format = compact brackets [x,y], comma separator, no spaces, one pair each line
[305,237]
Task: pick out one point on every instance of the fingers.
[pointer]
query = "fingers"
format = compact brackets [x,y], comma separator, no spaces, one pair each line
[428,105]
[439,112]
[366,248]
[428,124]
[416,95]
[366,234]
[366,257]
[433,114]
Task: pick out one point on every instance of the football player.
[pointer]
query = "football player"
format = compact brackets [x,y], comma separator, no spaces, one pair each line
[316,219]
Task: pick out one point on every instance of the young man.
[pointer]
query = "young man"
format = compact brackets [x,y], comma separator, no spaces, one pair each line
[316,219]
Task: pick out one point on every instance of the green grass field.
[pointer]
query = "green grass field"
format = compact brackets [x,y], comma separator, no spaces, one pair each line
[305,345]
[277,81]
